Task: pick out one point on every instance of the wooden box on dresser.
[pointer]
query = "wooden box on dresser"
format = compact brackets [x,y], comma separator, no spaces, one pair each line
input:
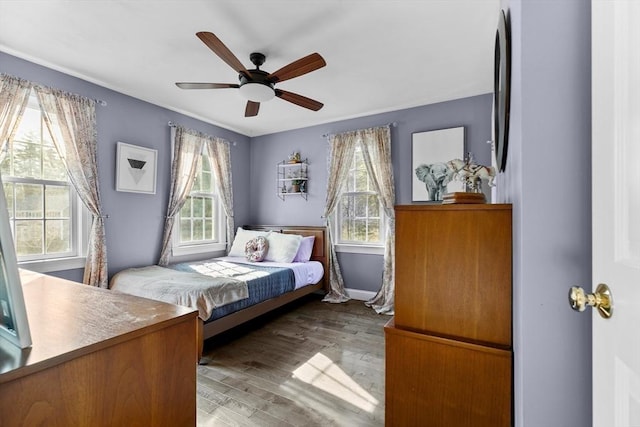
[449,347]
[99,358]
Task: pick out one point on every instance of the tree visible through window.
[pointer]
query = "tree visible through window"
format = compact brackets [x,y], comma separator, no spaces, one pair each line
[359,212]
[198,216]
[40,199]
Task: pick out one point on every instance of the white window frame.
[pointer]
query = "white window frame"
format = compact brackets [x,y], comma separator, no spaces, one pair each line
[80,237]
[80,222]
[179,249]
[358,247]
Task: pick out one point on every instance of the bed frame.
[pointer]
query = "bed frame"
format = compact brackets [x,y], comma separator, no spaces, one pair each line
[319,253]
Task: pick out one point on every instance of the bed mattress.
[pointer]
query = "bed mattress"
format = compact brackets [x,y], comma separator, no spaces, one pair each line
[264,280]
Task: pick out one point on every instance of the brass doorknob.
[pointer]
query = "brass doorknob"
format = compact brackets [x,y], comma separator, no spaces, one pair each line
[601,299]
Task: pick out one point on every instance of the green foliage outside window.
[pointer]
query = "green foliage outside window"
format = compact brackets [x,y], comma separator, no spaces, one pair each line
[359,210]
[38,192]
[198,215]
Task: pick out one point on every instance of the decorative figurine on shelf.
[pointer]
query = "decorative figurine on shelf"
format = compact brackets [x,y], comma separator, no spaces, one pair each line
[472,174]
[294,157]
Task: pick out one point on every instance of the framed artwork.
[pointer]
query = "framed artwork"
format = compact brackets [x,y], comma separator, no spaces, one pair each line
[136,169]
[431,178]
[14,325]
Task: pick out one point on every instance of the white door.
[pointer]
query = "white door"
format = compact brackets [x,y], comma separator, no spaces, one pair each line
[616,209]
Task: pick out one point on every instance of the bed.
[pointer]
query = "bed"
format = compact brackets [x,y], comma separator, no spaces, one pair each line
[237,304]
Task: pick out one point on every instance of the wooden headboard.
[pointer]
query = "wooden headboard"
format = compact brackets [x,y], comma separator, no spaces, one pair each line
[320,250]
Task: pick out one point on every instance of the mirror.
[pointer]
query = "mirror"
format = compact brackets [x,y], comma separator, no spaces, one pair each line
[14,326]
[501,90]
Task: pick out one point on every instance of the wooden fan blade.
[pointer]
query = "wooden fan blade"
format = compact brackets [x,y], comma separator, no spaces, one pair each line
[300,100]
[297,68]
[252,109]
[222,51]
[187,85]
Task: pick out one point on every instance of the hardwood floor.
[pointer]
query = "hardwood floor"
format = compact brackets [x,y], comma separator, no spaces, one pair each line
[308,364]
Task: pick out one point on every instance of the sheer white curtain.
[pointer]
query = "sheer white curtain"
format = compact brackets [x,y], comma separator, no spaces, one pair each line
[220,155]
[71,121]
[187,147]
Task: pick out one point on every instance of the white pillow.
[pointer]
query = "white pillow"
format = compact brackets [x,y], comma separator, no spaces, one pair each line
[241,239]
[282,247]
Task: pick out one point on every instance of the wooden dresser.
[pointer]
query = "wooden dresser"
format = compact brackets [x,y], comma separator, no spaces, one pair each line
[99,358]
[449,347]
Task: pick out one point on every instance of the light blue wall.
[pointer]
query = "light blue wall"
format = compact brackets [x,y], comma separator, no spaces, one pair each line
[548,180]
[135,223]
[134,227]
[363,272]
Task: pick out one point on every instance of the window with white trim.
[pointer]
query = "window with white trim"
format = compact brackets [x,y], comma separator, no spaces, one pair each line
[360,217]
[47,218]
[200,219]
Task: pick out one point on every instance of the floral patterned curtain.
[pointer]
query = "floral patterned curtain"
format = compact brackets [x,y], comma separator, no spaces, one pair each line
[14,96]
[187,147]
[341,150]
[220,155]
[376,150]
[71,121]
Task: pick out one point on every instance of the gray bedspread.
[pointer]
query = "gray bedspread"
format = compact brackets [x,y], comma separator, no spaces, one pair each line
[196,290]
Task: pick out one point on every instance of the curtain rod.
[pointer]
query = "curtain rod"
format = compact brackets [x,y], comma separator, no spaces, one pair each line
[173,125]
[392,124]
[101,102]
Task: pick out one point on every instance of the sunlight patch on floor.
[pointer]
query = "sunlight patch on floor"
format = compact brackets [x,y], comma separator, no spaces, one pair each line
[321,372]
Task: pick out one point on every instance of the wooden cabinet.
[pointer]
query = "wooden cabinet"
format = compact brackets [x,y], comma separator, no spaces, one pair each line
[449,347]
[99,358]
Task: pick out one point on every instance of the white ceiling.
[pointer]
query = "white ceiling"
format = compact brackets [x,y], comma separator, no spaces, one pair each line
[381,55]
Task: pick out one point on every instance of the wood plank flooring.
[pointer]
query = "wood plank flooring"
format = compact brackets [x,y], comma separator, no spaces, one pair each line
[307,364]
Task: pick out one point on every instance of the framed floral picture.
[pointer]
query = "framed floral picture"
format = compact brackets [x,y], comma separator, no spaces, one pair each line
[136,169]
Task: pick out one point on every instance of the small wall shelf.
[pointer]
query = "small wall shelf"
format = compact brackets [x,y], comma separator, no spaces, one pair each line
[292,179]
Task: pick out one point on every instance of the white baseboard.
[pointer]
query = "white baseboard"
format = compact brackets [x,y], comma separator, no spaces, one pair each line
[360,295]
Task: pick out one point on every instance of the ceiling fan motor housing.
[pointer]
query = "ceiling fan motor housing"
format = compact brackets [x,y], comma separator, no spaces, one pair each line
[257,59]
[258,88]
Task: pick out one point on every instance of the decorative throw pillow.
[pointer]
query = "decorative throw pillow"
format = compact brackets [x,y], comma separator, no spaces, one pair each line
[256,249]
[241,239]
[282,247]
[305,249]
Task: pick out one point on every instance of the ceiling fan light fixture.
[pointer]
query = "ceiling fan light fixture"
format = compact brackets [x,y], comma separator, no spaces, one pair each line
[257,92]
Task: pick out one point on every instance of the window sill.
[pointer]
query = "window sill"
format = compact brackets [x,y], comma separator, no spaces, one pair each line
[50,265]
[198,249]
[360,249]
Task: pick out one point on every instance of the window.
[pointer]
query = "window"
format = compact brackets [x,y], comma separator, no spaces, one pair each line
[200,219]
[360,217]
[45,213]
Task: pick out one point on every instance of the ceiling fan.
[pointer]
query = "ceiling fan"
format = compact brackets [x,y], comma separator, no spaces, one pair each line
[257,85]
